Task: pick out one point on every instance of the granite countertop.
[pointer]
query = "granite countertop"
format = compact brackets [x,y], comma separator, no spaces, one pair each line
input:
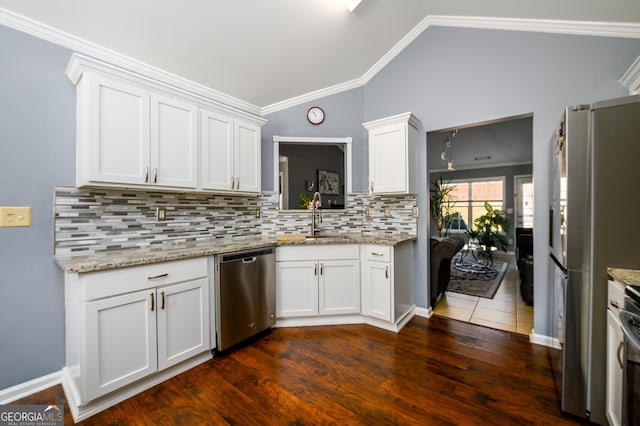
[113,259]
[625,276]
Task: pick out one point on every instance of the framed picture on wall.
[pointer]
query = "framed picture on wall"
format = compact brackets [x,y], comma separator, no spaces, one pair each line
[328,182]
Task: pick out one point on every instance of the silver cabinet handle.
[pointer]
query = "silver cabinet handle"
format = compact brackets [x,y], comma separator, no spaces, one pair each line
[155,277]
[321,269]
[153,303]
[233,182]
[155,175]
[162,300]
[237,183]
[614,303]
[373,253]
[386,272]
[315,270]
[146,174]
[619,355]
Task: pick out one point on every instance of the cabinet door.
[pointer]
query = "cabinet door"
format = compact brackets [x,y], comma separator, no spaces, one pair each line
[217,151]
[247,157]
[120,335]
[339,287]
[376,291]
[174,143]
[183,321]
[614,370]
[388,160]
[296,289]
[114,132]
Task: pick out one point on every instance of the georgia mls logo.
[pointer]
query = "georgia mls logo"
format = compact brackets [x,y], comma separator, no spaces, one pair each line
[31,415]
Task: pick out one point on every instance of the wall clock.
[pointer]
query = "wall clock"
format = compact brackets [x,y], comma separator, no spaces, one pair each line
[315,115]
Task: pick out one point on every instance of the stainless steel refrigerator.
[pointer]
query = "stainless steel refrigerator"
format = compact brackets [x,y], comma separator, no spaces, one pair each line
[595,204]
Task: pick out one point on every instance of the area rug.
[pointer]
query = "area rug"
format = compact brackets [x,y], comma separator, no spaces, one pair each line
[484,281]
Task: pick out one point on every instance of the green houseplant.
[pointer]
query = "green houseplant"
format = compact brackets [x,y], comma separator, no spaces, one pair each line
[305,199]
[441,203]
[491,226]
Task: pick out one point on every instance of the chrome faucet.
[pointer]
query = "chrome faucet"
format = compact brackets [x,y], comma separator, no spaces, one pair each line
[316,213]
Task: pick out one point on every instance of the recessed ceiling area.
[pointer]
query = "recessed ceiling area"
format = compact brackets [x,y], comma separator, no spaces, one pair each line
[502,142]
[265,52]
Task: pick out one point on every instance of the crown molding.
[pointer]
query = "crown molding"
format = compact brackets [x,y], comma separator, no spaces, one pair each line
[585,28]
[631,78]
[78,45]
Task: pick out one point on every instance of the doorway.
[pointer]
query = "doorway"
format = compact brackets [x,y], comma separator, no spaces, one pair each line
[498,150]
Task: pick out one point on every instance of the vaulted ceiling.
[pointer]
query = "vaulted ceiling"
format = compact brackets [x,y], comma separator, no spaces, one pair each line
[267,51]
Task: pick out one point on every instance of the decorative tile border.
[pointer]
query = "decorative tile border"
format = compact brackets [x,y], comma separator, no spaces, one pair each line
[94,220]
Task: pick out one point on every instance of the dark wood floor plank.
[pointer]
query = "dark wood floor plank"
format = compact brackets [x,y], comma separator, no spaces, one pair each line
[435,371]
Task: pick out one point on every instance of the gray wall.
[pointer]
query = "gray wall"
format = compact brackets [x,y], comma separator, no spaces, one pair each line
[483,75]
[37,151]
[507,172]
[343,118]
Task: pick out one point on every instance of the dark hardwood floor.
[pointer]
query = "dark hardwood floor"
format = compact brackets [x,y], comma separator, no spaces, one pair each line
[435,371]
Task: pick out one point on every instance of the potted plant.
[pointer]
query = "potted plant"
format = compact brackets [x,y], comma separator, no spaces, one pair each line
[304,201]
[441,203]
[491,225]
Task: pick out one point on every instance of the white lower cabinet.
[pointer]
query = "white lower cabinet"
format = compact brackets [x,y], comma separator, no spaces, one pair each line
[317,280]
[387,282]
[127,325]
[350,283]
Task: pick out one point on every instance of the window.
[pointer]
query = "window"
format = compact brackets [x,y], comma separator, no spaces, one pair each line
[469,196]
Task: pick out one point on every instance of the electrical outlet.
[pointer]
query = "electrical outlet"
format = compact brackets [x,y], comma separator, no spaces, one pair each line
[15,216]
[367,213]
[258,213]
[161,214]
[414,211]
[387,212]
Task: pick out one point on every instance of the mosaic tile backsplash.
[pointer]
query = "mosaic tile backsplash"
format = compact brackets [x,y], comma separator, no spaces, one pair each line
[400,208]
[90,220]
[93,220]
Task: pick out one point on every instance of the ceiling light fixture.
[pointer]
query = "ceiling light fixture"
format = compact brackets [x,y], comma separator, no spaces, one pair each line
[351,4]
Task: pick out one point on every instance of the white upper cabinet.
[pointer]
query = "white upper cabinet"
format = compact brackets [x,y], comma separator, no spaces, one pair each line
[247,156]
[230,154]
[392,154]
[113,136]
[174,143]
[134,131]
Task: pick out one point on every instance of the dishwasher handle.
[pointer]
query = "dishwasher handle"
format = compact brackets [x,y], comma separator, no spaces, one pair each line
[249,259]
[245,256]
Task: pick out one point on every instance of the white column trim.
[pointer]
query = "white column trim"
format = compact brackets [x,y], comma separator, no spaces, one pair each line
[631,78]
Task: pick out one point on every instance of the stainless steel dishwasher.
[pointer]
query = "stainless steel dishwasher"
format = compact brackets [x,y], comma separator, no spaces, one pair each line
[245,295]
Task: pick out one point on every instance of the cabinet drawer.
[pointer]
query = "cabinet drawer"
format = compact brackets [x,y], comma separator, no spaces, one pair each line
[320,252]
[615,301]
[95,285]
[377,253]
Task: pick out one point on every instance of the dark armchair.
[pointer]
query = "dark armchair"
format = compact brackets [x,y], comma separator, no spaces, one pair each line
[442,251]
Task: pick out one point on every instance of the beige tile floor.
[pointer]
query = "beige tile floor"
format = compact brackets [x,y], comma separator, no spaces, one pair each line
[506,311]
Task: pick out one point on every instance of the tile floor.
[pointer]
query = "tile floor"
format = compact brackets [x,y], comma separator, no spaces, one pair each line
[506,311]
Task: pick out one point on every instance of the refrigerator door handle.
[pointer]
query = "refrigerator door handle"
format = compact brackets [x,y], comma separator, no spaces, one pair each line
[565,272]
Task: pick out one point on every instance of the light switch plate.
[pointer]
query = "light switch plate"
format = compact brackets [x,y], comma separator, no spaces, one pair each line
[15,216]
[258,213]
[387,212]
[414,211]
[161,214]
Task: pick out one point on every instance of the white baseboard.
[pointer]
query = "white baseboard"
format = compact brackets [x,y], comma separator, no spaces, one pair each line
[540,339]
[424,312]
[25,389]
